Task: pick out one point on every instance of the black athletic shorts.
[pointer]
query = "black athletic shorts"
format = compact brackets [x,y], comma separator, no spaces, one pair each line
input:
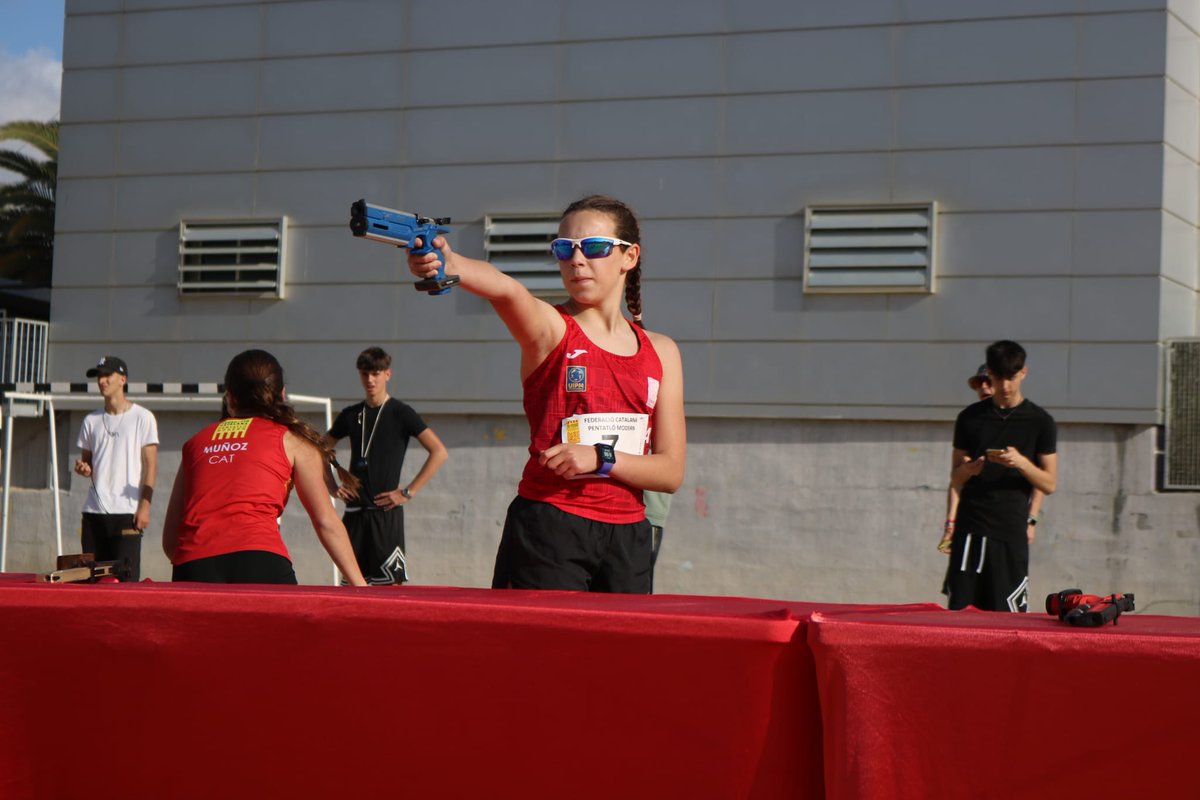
[990,574]
[103,536]
[245,566]
[377,537]
[544,547]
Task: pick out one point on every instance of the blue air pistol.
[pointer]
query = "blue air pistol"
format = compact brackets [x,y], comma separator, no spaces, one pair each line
[401,228]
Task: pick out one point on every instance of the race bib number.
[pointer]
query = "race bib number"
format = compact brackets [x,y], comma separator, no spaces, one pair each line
[627,433]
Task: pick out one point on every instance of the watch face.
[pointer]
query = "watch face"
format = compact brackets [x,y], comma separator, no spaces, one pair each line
[606,453]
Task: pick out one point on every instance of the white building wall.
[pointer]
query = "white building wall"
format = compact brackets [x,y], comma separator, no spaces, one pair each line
[1059,139]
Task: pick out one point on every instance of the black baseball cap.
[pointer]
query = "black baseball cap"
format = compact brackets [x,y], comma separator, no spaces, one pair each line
[107,366]
[979,377]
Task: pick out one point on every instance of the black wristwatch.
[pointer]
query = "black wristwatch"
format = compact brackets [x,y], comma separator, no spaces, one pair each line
[407,494]
[607,457]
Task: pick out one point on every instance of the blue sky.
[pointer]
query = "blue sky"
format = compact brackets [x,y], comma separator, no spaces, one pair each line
[31,24]
[31,33]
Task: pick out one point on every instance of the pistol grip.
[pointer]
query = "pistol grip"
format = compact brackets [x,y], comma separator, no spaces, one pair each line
[441,283]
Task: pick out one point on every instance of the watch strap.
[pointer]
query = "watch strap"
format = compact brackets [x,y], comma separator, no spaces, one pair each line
[607,457]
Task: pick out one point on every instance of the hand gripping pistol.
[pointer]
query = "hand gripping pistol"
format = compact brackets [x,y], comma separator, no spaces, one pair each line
[387,225]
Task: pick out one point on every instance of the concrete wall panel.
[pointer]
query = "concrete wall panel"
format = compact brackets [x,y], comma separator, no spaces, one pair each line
[641,68]
[88,151]
[786,61]
[213,33]
[1114,309]
[321,27]
[371,139]
[154,202]
[513,74]
[212,145]
[1004,244]
[190,90]
[808,122]
[336,83]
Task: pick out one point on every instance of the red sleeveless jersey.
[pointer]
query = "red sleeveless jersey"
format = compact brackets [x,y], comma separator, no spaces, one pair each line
[578,378]
[238,478]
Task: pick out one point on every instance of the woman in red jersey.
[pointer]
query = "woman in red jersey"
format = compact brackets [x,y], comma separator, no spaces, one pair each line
[604,399]
[222,522]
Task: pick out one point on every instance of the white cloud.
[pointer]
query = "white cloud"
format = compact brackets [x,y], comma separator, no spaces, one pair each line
[30,89]
[30,86]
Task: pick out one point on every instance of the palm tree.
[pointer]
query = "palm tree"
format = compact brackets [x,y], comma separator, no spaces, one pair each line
[27,206]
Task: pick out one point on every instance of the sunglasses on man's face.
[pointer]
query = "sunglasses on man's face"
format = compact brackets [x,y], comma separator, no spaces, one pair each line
[590,246]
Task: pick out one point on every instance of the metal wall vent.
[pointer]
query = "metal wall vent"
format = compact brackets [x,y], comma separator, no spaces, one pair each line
[869,249]
[232,257]
[520,246]
[1182,456]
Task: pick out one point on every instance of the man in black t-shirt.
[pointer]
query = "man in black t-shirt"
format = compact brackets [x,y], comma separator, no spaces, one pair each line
[379,429]
[1004,448]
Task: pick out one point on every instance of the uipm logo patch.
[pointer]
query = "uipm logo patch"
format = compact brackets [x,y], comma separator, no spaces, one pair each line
[576,379]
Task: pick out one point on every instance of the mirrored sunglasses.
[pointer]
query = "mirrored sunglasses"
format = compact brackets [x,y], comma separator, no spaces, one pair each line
[590,246]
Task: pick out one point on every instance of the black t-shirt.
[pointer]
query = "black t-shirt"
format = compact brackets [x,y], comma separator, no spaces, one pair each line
[995,503]
[383,433]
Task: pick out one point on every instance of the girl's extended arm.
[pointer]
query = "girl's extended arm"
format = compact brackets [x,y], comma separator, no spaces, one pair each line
[535,325]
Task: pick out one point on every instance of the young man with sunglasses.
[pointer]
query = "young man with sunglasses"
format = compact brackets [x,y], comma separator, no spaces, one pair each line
[379,429]
[119,453]
[1005,449]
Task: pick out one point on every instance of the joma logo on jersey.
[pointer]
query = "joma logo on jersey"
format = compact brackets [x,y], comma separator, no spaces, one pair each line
[232,429]
[576,379]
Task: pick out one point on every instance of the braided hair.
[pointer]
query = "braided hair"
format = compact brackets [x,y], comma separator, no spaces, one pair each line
[254,379]
[627,228]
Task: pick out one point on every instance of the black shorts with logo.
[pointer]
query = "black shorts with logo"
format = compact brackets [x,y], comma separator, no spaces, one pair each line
[990,574]
[377,537]
[544,547]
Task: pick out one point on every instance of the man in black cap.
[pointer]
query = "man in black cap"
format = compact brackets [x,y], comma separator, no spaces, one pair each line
[119,452]
[981,383]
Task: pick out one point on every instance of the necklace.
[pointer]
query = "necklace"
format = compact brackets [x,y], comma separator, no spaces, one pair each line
[1004,417]
[113,432]
[364,440]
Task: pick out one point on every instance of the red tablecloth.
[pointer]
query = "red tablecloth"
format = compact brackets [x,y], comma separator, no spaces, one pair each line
[981,705]
[160,690]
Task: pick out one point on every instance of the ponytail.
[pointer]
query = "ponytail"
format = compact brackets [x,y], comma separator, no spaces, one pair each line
[283,413]
[633,293]
[254,380]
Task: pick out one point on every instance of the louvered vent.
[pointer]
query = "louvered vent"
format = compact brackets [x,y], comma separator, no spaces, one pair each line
[232,257]
[879,249]
[1183,416]
[520,246]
